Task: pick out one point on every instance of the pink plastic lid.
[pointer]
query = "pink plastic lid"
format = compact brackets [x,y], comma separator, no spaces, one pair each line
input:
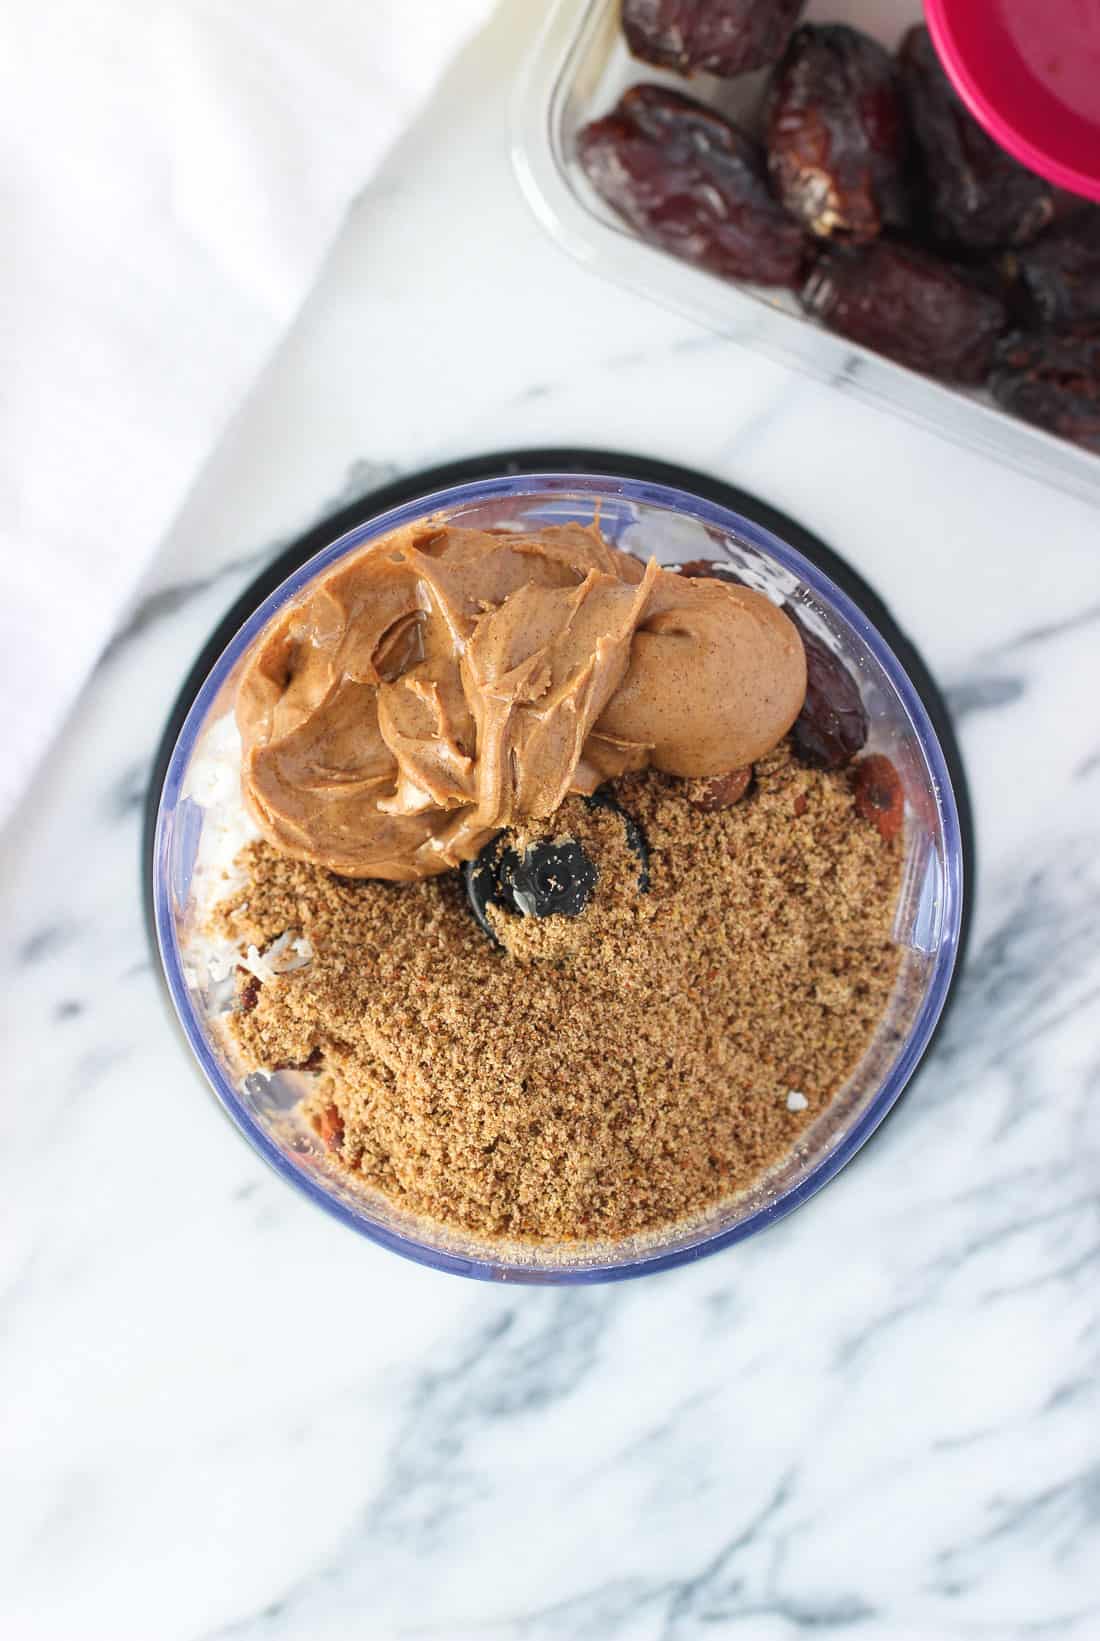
[1029,72]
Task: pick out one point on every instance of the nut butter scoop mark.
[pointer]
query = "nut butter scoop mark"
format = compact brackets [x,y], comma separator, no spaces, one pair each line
[445,682]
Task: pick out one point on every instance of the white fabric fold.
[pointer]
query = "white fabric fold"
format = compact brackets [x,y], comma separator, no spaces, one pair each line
[171,175]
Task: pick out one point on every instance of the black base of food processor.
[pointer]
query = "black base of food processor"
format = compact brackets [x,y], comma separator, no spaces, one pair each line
[597,462]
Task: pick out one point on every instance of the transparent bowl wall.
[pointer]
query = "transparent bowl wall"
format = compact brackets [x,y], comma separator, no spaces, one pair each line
[578,69]
[673,527]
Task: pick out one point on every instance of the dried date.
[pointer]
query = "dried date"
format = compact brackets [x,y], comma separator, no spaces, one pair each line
[879,795]
[837,135]
[1052,381]
[694,184]
[720,791]
[910,307]
[710,569]
[832,726]
[1060,276]
[329,1125]
[723,37]
[248,991]
[976,195]
[313,1062]
[1074,351]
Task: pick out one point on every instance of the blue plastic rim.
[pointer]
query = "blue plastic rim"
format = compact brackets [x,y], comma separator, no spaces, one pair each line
[613,494]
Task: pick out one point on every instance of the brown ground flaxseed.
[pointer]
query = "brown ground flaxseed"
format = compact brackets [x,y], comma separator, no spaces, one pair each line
[608,1074]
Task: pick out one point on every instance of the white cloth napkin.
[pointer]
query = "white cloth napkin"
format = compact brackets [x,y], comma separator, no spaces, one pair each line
[171,173]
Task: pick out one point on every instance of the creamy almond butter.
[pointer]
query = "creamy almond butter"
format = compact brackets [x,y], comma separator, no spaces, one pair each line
[444,682]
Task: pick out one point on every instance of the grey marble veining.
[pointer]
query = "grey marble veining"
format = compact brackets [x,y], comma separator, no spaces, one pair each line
[222,1415]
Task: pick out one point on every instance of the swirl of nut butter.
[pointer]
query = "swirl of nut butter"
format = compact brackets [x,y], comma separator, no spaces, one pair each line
[444,682]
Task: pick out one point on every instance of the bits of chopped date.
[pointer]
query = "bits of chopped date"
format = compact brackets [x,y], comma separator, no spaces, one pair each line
[879,796]
[329,1125]
[1052,381]
[975,194]
[720,791]
[909,306]
[689,181]
[801,804]
[313,1062]
[249,994]
[837,134]
[710,569]
[832,726]
[723,37]
[1059,278]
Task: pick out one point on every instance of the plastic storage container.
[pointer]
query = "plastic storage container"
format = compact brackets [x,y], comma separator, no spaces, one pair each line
[674,527]
[577,70]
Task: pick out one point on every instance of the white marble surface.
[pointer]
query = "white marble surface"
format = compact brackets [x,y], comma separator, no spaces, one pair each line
[224,1416]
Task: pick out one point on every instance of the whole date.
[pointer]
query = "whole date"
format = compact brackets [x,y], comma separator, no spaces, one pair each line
[976,195]
[837,134]
[909,306]
[1052,381]
[694,184]
[723,37]
[832,726]
[1060,276]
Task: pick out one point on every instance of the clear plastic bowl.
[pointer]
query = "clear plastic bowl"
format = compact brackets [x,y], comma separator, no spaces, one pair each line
[674,527]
